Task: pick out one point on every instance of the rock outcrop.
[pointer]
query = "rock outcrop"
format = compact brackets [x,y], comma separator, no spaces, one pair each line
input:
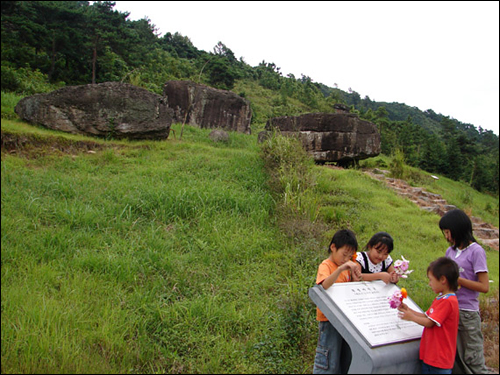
[331,137]
[206,107]
[110,109]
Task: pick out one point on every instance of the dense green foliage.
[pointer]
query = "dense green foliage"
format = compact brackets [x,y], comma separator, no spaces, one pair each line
[48,44]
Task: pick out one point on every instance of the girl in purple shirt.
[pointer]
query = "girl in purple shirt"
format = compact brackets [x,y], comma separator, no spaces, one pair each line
[471,259]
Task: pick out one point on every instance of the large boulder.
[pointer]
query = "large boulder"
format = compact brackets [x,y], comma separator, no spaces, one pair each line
[206,107]
[110,109]
[331,137]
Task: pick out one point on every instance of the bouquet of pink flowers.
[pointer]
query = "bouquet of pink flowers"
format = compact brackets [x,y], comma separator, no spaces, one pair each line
[397,298]
[401,267]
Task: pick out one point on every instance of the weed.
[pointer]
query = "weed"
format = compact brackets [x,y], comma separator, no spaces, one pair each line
[489,321]
[111,134]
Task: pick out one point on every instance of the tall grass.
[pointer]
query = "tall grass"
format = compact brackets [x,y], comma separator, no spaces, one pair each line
[145,259]
[181,256]
[290,169]
[9,101]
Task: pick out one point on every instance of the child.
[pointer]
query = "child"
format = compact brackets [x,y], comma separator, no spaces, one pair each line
[336,269]
[376,263]
[471,259]
[439,338]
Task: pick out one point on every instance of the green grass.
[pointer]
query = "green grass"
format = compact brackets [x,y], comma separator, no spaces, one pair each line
[180,255]
[9,101]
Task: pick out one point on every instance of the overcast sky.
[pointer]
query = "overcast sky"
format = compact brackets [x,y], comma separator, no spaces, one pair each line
[434,55]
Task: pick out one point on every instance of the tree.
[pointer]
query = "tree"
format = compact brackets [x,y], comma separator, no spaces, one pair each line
[447,127]
[221,50]
[62,24]
[454,160]
[269,75]
[220,73]
[179,46]
[433,157]
[381,118]
[106,28]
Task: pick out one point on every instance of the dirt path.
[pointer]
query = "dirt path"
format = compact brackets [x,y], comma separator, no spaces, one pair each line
[484,232]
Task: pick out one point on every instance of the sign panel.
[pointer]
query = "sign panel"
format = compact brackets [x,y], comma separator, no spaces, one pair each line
[366,305]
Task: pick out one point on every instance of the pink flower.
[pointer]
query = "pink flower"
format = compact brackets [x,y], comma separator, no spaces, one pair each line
[397,298]
[401,267]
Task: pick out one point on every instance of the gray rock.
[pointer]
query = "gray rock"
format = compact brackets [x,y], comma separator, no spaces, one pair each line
[119,110]
[341,108]
[218,135]
[206,107]
[380,171]
[331,137]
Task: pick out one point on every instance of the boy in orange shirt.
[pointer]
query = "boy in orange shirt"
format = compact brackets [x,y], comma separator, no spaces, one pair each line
[439,338]
[333,355]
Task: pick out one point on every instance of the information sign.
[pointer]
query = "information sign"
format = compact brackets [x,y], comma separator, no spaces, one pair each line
[366,305]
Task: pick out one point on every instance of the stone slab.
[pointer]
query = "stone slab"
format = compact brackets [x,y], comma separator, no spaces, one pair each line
[357,315]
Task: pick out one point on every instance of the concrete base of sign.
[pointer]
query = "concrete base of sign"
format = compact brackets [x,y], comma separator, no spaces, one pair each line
[400,358]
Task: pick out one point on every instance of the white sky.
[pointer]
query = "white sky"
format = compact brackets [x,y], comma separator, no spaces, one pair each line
[434,55]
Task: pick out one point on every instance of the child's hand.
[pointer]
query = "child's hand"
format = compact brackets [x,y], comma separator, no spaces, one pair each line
[394,277]
[352,266]
[385,277]
[356,273]
[403,307]
[404,312]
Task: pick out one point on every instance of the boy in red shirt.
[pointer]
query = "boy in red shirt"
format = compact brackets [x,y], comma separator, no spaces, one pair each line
[439,338]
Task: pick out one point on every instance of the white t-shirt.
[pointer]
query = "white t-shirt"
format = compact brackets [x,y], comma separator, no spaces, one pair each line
[373,268]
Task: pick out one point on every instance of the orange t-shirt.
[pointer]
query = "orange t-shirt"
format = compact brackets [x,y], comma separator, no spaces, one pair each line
[325,269]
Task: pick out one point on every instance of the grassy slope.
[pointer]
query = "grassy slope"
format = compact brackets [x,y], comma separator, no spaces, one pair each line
[172,256]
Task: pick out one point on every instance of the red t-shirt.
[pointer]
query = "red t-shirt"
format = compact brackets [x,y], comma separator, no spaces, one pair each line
[325,269]
[439,343]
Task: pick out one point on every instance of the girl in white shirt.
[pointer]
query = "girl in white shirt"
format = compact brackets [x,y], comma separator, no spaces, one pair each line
[375,262]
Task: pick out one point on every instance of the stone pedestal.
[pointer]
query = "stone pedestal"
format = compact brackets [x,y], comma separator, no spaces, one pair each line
[373,351]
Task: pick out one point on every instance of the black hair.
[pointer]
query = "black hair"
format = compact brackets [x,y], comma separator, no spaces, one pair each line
[383,238]
[344,237]
[460,227]
[445,267]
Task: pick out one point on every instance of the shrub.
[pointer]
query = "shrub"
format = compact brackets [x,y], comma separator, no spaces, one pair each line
[10,82]
[290,169]
[397,165]
[26,81]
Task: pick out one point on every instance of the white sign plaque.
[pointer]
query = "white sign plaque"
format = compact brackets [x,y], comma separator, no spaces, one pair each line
[366,305]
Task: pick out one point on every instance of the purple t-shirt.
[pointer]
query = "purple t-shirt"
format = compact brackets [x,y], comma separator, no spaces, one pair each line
[471,261]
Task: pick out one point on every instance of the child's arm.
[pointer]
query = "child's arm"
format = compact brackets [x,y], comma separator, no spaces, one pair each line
[387,277]
[406,313]
[481,286]
[330,280]
[394,276]
[384,276]
[356,273]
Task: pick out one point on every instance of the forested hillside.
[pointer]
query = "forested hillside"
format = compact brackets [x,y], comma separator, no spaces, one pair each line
[49,44]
